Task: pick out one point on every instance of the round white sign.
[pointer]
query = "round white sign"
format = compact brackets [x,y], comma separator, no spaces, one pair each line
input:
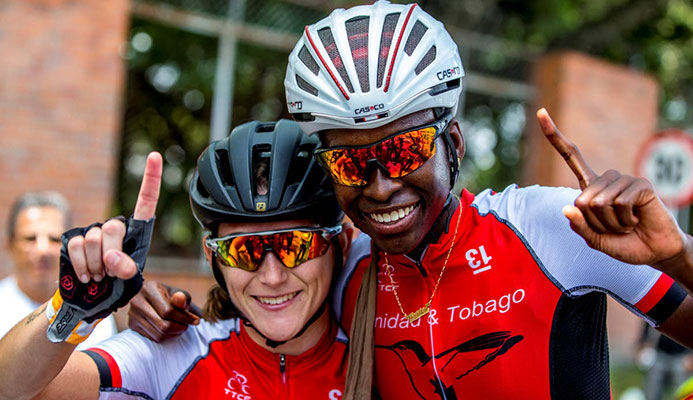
[667,161]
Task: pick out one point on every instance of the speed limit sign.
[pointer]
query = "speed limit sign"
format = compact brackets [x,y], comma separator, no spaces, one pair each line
[666,160]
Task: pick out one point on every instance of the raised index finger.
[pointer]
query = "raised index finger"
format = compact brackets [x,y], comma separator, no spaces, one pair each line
[149,190]
[567,149]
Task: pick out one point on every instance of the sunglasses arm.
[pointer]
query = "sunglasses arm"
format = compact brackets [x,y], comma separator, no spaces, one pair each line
[329,233]
[211,244]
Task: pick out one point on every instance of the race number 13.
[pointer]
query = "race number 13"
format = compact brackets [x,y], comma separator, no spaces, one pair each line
[478,260]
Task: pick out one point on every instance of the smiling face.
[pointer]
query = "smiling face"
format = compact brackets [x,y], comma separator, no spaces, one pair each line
[397,213]
[35,250]
[277,300]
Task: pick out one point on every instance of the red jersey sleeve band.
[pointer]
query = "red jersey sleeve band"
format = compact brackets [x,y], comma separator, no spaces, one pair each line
[109,373]
[662,300]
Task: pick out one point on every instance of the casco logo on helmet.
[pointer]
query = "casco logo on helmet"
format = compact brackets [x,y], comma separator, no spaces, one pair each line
[368,109]
[448,73]
[336,69]
[298,105]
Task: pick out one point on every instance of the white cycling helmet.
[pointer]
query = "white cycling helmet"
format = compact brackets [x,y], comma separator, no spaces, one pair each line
[369,65]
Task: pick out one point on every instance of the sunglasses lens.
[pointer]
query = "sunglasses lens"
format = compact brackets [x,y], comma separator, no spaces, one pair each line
[400,154]
[404,153]
[297,247]
[244,252]
[293,248]
[345,166]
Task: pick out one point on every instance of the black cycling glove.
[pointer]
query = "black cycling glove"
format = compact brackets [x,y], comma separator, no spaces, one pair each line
[77,307]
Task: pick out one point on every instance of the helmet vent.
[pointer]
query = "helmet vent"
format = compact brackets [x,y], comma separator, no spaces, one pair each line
[269,127]
[300,164]
[426,60]
[201,189]
[415,36]
[224,167]
[385,41]
[328,42]
[262,155]
[444,87]
[308,60]
[305,86]
[357,32]
[304,117]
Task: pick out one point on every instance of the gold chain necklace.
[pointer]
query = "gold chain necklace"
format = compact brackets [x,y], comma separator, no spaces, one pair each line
[411,317]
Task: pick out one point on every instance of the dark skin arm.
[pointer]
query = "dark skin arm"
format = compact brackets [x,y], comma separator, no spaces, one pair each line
[680,325]
[621,215]
[159,312]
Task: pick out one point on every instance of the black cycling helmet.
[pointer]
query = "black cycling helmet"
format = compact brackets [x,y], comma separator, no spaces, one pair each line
[223,186]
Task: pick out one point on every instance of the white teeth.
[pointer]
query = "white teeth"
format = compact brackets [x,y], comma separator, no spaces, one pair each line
[392,216]
[276,300]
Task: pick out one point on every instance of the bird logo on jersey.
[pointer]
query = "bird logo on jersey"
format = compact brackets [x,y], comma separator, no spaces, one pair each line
[412,354]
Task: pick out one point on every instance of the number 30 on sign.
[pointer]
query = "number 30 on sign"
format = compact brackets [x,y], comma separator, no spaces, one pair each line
[666,160]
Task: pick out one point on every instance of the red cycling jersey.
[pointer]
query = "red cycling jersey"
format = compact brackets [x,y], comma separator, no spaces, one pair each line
[218,361]
[520,310]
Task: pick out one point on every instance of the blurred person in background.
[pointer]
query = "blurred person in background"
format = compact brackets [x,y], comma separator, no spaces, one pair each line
[685,390]
[35,223]
[664,360]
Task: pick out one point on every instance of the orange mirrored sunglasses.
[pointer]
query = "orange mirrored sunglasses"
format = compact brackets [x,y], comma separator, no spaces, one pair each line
[399,154]
[293,246]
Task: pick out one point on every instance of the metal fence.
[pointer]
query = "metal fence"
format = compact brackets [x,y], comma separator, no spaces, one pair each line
[198,67]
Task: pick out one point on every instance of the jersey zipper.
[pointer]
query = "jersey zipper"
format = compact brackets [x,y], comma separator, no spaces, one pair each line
[282,367]
[420,268]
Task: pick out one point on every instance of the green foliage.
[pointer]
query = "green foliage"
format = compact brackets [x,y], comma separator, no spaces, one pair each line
[171,75]
[654,36]
[168,109]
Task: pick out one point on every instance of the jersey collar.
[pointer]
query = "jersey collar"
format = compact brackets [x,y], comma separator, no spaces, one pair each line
[428,256]
[299,363]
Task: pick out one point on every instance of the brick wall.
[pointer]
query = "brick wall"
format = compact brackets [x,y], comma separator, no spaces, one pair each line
[61,85]
[609,111]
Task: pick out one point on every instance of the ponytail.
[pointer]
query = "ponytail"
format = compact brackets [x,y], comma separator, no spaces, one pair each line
[218,305]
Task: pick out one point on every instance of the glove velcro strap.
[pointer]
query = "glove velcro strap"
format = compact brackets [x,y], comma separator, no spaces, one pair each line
[77,307]
[67,317]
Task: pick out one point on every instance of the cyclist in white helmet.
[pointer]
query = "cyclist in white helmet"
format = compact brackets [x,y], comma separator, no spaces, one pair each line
[485,296]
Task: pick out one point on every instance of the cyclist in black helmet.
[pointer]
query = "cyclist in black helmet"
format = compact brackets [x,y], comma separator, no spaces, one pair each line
[275,235]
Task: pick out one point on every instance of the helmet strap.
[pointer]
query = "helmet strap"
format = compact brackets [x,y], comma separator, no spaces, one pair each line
[218,276]
[438,113]
[452,158]
[273,343]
